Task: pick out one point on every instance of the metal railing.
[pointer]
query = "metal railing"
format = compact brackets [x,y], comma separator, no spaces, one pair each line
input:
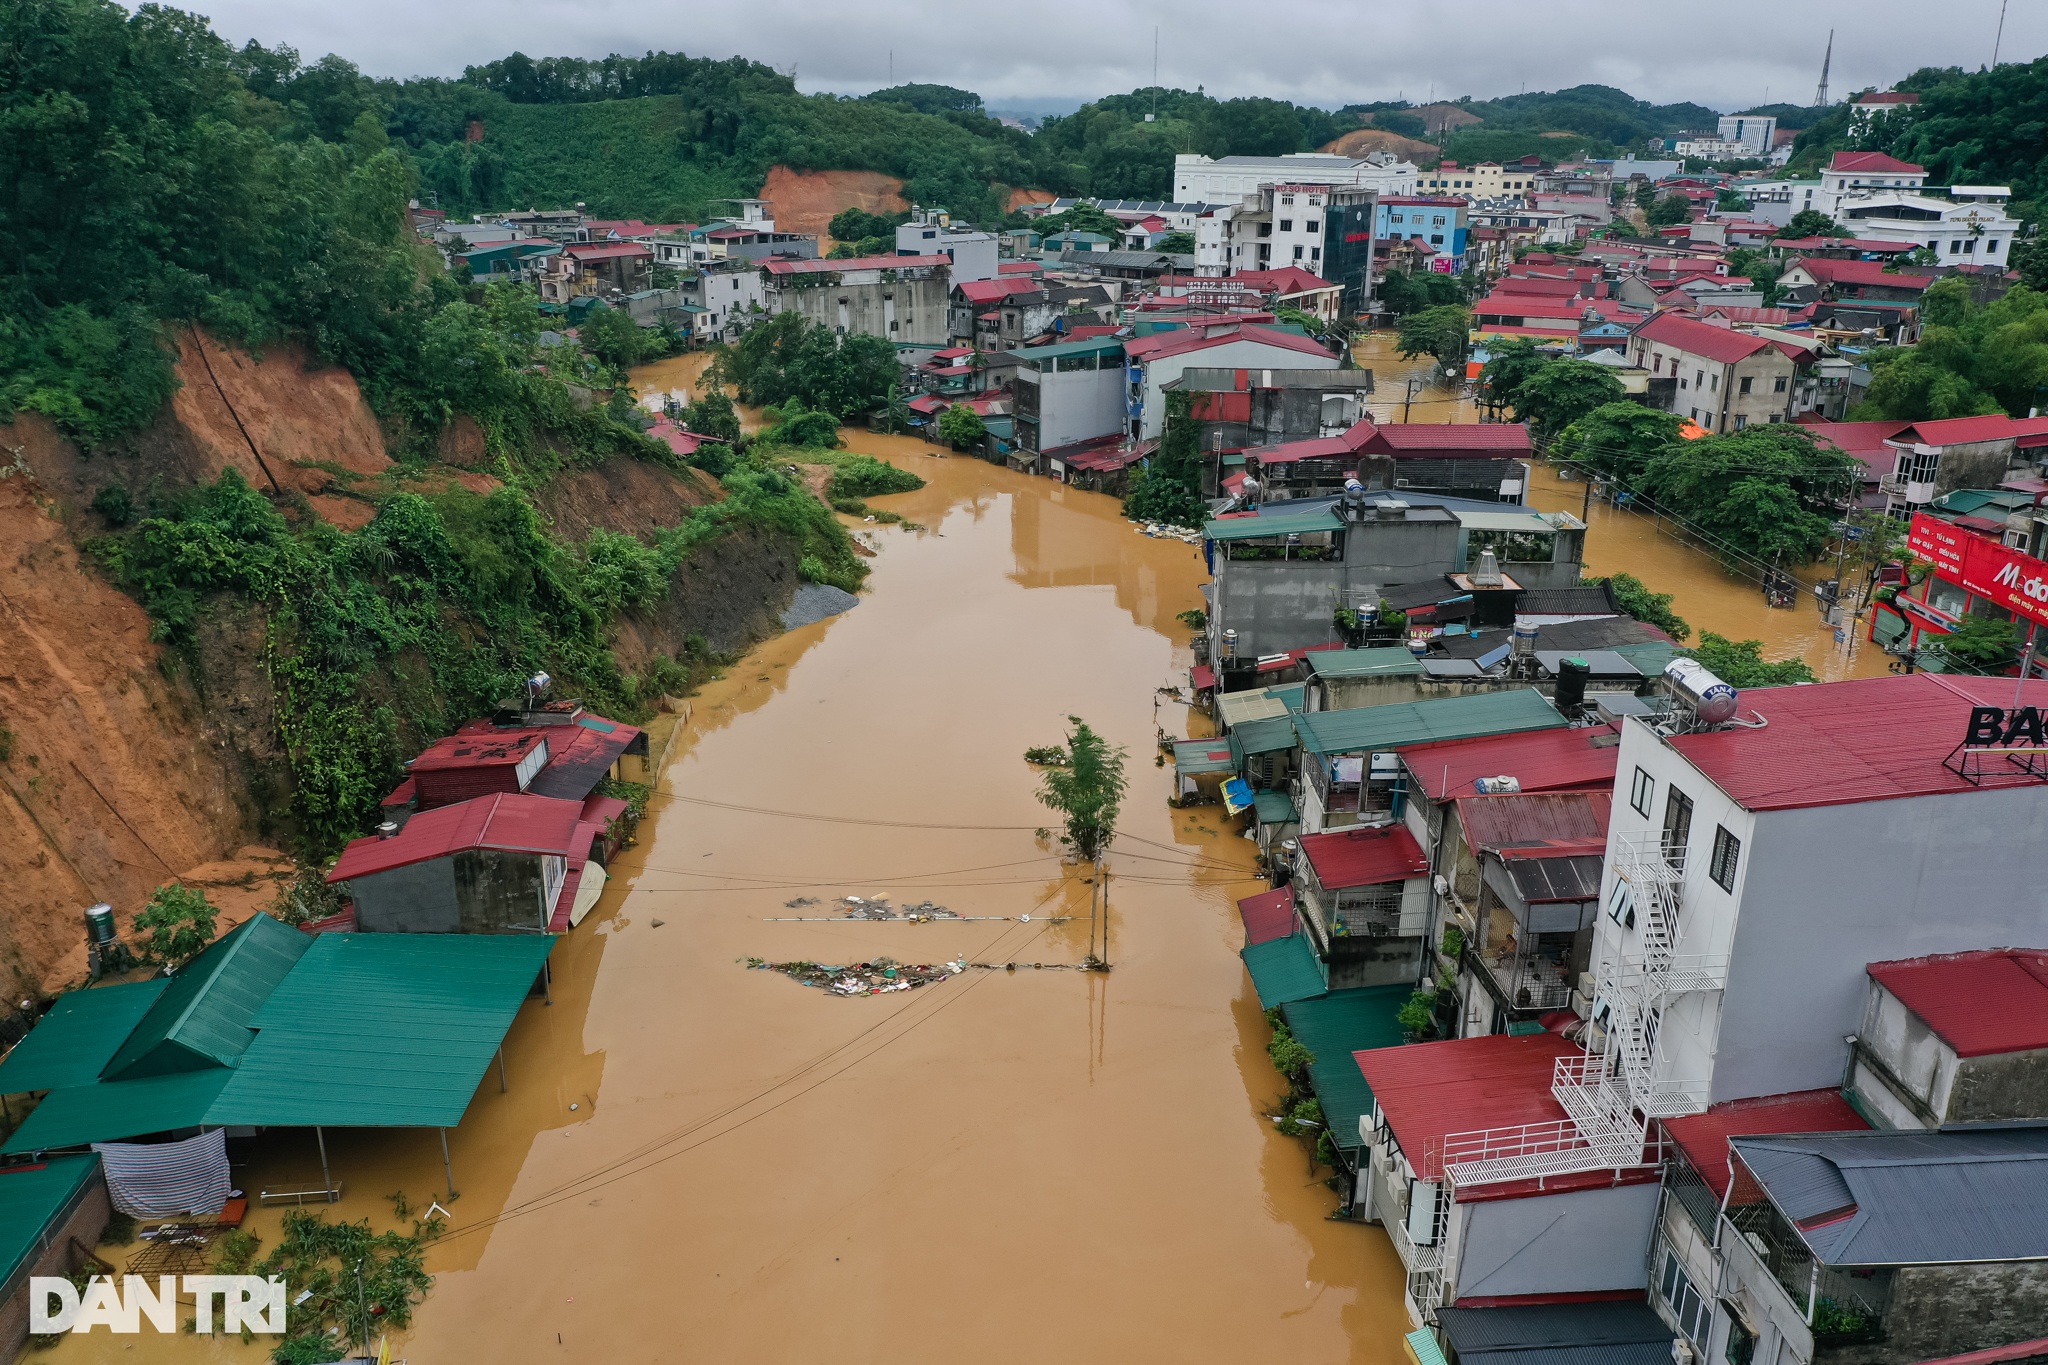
[1393,1214]
[1600,1131]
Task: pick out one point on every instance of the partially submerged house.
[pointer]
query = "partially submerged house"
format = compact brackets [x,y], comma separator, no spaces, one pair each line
[274,1028]
[510,862]
[51,1214]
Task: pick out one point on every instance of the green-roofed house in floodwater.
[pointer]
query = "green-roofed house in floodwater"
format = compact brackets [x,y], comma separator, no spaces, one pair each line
[272,1027]
[51,1213]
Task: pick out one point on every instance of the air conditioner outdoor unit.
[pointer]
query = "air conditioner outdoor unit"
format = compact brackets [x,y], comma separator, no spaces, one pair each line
[1682,1352]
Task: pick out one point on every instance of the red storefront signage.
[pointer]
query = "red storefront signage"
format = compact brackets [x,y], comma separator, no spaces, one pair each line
[1983,568]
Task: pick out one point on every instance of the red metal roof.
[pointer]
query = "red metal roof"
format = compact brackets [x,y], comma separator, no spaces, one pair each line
[515,822]
[1866,274]
[594,252]
[1563,822]
[1442,438]
[487,749]
[1694,337]
[1541,760]
[1861,441]
[1184,339]
[1428,1091]
[1704,1137]
[1889,97]
[1286,280]
[1955,431]
[2031,432]
[682,442]
[1979,1003]
[1364,857]
[1267,916]
[1868,739]
[826,265]
[1526,305]
[997,290]
[1841,244]
[1872,163]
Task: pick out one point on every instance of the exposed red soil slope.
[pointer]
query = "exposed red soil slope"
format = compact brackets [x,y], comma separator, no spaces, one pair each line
[804,201]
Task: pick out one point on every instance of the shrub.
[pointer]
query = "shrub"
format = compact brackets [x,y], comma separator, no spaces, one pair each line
[864,476]
[179,923]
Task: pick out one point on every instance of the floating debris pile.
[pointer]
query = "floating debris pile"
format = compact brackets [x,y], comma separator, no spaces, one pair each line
[877,977]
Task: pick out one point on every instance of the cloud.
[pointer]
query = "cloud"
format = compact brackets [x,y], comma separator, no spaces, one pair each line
[1312,51]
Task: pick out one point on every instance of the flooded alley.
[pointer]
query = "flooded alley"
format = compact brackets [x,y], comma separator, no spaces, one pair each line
[1039,1163]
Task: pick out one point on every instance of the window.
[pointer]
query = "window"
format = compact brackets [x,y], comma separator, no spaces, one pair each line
[1287,201]
[1740,421]
[1699,377]
[1436,239]
[1677,826]
[1437,221]
[1744,390]
[1315,253]
[1297,253]
[1727,854]
[1687,1305]
[1314,226]
[1778,384]
[1397,217]
[1955,248]
[1990,245]
[1714,383]
[1641,789]
[1287,225]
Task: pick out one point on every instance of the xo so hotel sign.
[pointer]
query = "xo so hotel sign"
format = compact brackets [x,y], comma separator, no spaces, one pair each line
[1983,568]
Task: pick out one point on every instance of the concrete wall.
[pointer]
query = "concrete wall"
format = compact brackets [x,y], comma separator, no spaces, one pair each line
[1077,405]
[419,899]
[1582,1241]
[1938,1311]
[1232,355]
[908,312]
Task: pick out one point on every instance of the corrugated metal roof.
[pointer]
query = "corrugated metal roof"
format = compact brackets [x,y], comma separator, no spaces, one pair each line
[1364,857]
[1551,881]
[203,1018]
[579,759]
[1239,708]
[364,1030]
[1869,739]
[1334,1027]
[1196,757]
[30,1196]
[1363,663]
[1704,1137]
[73,1043]
[1267,916]
[1062,350]
[1979,1003]
[513,822]
[1534,819]
[1276,523]
[1592,599]
[1399,724]
[1428,1090]
[1275,807]
[1604,632]
[1284,970]
[1267,736]
[1611,1333]
[1914,1198]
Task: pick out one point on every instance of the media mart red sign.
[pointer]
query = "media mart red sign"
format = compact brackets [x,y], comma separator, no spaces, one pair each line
[1983,568]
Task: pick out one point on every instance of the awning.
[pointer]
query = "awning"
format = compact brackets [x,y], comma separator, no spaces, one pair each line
[1334,1026]
[1237,795]
[1276,807]
[1284,970]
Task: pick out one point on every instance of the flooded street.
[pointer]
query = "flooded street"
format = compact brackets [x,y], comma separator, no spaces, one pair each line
[1042,1164]
[1704,593]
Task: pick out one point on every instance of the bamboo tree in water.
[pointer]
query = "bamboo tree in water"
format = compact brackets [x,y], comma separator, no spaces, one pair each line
[1087,789]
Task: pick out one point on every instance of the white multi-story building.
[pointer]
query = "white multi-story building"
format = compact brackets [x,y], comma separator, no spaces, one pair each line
[1229,179]
[1714,149]
[1752,132]
[1286,224]
[1974,232]
[932,232]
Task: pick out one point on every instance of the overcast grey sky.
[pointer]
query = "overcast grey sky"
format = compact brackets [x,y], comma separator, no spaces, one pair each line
[1727,55]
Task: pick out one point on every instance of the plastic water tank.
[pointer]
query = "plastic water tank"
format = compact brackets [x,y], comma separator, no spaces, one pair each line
[1693,683]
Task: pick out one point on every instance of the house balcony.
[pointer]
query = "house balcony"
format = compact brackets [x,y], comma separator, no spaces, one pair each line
[1392,1211]
[1600,1131]
[1523,977]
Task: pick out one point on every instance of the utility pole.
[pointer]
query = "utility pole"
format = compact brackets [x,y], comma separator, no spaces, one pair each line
[1414,387]
[1820,96]
[1999,41]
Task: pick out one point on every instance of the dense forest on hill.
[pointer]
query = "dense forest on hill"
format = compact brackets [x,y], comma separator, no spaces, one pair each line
[1588,119]
[159,179]
[1969,128]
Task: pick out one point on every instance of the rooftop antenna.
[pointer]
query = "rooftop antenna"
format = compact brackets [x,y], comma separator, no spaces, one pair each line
[1154,115]
[1999,41]
[1820,96]
[892,67]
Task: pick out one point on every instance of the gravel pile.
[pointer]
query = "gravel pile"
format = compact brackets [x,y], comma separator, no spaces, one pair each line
[815,602]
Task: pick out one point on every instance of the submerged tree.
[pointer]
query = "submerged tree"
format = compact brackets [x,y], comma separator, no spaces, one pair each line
[1087,790]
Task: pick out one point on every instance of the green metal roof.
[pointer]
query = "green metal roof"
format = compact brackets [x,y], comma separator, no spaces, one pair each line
[383,1030]
[30,1197]
[1293,696]
[1062,350]
[203,1018]
[1395,725]
[1273,524]
[1192,757]
[1268,735]
[1362,663]
[78,1037]
[1649,657]
[1422,1346]
[1965,502]
[1334,1026]
[1275,807]
[363,1031]
[1284,970]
